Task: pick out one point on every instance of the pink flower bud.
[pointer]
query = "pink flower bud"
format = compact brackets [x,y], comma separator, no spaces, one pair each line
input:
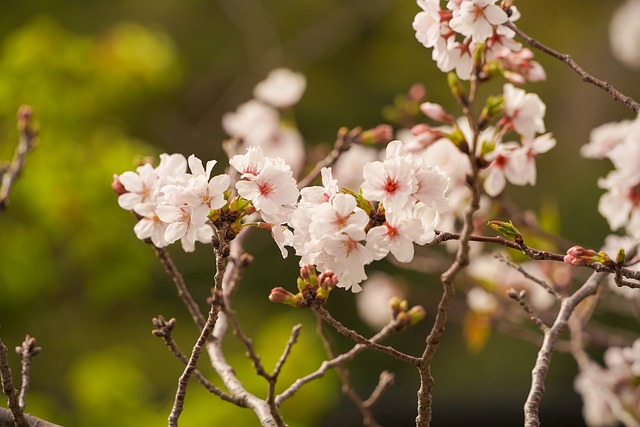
[417,92]
[117,186]
[436,112]
[283,296]
[380,134]
[327,280]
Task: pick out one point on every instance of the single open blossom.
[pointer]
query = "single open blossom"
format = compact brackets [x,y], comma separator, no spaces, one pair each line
[253,122]
[282,88]
[477,18]
[604,138]
[272,189]
[427,22]
[140,186]
[396,235]
[316,195]
[185,223]
[506,163]
[525,111]
[392,181]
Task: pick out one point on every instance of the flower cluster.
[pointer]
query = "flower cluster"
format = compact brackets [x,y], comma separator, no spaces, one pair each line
[331,229]
[464,26]
[170,203]
[343,232]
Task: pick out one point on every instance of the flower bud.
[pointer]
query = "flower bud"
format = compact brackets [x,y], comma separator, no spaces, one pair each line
[283,296]
[436,112]
[25,113]
[380,134]
[416,315]
[117,186]
[577,255]
[505,228]
[417,92]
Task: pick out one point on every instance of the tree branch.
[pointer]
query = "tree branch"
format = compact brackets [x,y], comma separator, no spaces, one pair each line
[586,77]
[337,361]
[9,389]
[12,171]
[551,336]
[183,292]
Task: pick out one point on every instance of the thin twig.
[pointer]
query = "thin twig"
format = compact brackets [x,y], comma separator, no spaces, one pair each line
[248,344]
[347,387]
[336,361]
[519,297]
[27,350]
[343,142]
[586,77]
[526,274]
[163,329]
[551,336]
[353,335]
[11,172]
[536,254]
[9,389]
[191,364]
[273,378]
[293,338]
[183,292]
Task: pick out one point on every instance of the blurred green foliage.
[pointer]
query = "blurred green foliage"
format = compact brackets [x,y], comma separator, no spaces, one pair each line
[117,80]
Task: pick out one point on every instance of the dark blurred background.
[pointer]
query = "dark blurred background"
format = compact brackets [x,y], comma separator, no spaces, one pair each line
[112,80]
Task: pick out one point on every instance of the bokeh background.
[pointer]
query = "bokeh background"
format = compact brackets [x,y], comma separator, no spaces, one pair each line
[111,81]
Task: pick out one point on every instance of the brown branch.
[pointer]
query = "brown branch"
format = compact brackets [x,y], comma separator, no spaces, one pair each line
[461,261]
[551,336]
[347,387]
[181,286]
[519,297]
[537,254]
[337,361]
[214,346]
[586,77]
[343,142]
[10,173]
[191,363]
[526,274]
[6,420]
[27,350]
[353,335]
[217,302]
[9,389]
[163,329]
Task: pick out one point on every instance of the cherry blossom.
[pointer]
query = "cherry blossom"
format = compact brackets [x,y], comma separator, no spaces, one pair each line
[268,183]
[396,235]
[282,88]
[524,111]
[476,18]
[427,22]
